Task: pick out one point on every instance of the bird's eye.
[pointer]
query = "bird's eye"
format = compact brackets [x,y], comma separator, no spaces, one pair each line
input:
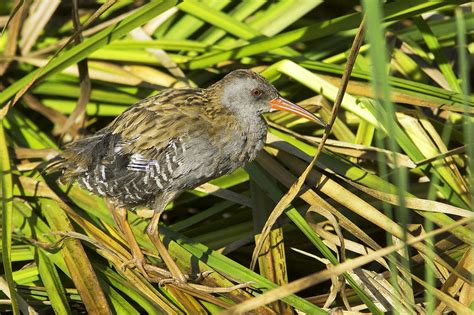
[256,92]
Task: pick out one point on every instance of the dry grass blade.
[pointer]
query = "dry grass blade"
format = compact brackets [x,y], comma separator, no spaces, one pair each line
[297,166]
[15,18]
[296,187]
[78,263]
[54,116]
[335,225]
[272,262]
[224,194]
[19,4]
[451,152]
[311,198]
[426,142]
[363,89]
[412,202]
[324,275]
[88,32]
[27,153]
[160,54]
[22,304]
[334,240]
[356,204]
[40,13]
[448,159]
[76,120]
[338,282]
[453,284]
[349,149]
[25,89]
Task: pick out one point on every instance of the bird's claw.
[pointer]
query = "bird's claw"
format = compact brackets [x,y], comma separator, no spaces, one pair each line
[200,276]
[165,277]
[163,282]
[194,278]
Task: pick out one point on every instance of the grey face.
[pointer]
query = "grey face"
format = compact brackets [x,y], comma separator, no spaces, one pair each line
[247,94]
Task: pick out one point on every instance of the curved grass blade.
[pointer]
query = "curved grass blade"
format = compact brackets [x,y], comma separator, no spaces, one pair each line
[321,276]
[302,224]
[52,282]
[7,212]
[77,261]
[392,11]
[84,49]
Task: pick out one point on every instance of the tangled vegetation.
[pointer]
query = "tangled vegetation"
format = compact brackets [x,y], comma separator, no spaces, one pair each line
[382,220]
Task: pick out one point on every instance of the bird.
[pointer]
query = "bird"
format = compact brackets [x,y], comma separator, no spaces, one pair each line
[172,141]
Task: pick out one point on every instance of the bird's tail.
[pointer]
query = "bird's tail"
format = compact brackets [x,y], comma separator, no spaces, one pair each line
[56,167]
[79,155]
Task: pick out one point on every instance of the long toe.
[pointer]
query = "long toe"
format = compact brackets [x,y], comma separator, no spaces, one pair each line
[196,278]
[172,280]
[193,278]
[137,262]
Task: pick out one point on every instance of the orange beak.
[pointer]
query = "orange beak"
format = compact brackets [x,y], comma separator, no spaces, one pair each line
[280,103]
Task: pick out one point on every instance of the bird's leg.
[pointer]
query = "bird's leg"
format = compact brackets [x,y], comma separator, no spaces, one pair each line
[138,259]
[178,278]
[153,232]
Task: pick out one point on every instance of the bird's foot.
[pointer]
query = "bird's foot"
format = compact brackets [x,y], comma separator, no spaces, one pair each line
[137,262]
[175,281]
[165,277]
[208,289]
[192,281]
[204,288]
[198,277]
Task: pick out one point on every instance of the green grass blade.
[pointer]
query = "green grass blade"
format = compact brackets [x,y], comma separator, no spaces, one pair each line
[239,13]
[188,24]
[392,10]
[464,67]
[77,261]
[81,51]
[7,212]
[282,14]
[53,284]
[433,44]
[274,192]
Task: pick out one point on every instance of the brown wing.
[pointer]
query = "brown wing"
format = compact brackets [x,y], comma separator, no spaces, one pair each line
[150,125]
[147,127]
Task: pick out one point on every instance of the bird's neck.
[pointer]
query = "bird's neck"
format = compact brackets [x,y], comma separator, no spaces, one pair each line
[255,130]
[251,126]
[247,124]
[241,141]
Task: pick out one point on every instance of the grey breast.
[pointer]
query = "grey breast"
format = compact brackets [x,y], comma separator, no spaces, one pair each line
[205,158]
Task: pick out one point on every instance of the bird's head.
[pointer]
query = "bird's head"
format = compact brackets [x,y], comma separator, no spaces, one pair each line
[249,95]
